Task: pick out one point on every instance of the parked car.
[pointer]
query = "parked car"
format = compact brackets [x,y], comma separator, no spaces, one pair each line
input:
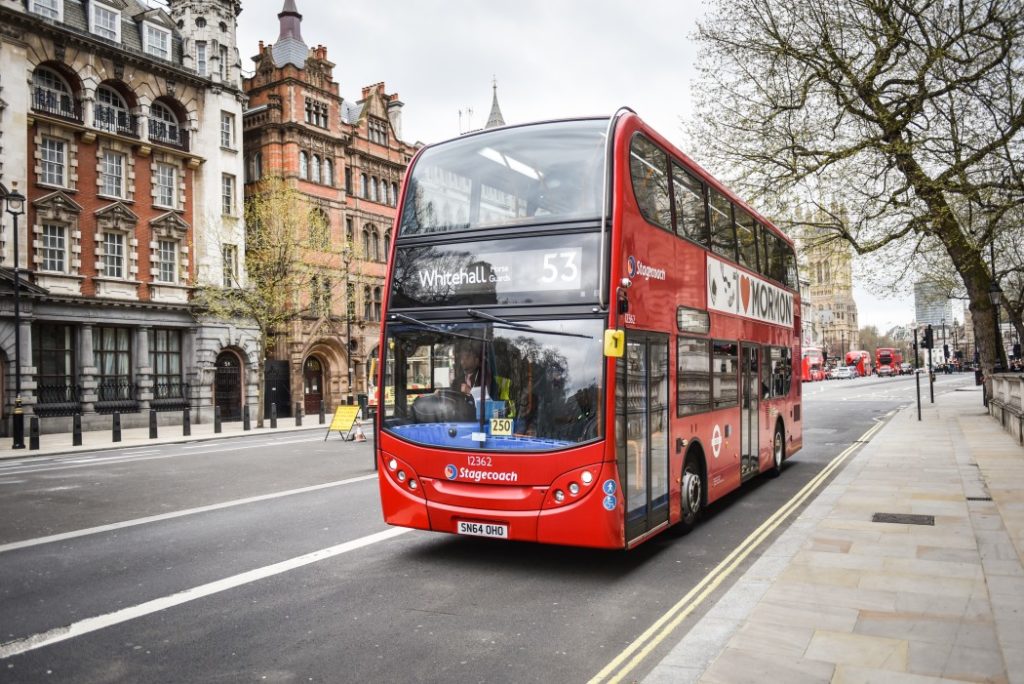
[844,372]
[906,368]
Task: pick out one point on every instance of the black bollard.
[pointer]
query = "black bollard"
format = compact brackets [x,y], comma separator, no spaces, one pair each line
[152,423]
[246,425]
[273,415]
[298,414]
[216,419]
[186,423]
[76,430]
[322,417]
[33,433]
[117,427]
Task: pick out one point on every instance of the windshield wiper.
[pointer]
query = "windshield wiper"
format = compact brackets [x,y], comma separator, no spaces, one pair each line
[429,326]
[513,325]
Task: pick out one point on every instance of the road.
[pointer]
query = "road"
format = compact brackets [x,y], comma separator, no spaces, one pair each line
[265,559]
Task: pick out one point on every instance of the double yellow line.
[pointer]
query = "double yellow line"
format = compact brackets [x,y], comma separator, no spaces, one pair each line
[623,663]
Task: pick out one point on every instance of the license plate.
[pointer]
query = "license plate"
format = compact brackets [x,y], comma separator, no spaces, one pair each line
[481,529]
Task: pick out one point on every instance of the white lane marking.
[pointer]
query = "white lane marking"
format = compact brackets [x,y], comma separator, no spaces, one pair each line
[86,464]
[175,514]
[93,624]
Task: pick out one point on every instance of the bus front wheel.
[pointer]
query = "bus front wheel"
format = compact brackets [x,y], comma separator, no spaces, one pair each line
[692,494]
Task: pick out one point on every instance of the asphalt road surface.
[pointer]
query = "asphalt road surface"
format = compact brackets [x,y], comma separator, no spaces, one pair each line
[265,559]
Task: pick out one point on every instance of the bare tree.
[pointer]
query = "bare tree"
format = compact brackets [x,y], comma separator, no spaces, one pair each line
[907,114]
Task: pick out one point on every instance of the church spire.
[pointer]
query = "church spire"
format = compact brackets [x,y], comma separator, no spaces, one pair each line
[290,48]
[495,119]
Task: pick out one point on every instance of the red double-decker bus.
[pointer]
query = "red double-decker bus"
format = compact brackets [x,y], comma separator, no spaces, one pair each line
[586,339]
[887,361]
[861,360]
[812,366]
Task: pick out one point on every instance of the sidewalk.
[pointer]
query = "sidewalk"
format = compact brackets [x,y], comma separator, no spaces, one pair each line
[94,440]
[839,598]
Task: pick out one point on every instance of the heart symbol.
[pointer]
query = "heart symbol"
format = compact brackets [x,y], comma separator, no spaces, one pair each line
[745,292]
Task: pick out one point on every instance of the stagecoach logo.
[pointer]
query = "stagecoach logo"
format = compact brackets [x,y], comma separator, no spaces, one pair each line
[716,441]
[733,291]
[450,471]
[635,267]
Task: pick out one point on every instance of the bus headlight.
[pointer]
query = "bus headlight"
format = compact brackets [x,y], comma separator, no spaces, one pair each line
[559,495]
[392,464]
[577,482]
[574,488]
[586,477]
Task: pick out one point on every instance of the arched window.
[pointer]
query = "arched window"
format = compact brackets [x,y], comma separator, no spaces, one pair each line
[319,229]
[303,165]
[364,185]
[367,304]
[315,173]
[374,245]
[51,93]
[376,304]
[163,124]
[366,242]
[373,189]
[111,112]
[387,245]
[394,194]
[328,177]
[255,167]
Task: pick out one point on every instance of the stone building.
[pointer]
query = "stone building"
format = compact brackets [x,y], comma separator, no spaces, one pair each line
[119,124]
[347,159]
[828,266]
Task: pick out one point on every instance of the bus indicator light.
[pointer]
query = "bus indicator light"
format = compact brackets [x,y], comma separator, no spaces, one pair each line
[574,488]
[610,503]
[559,496]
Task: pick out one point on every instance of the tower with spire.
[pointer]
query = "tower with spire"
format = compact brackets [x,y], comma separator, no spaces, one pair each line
[495,119]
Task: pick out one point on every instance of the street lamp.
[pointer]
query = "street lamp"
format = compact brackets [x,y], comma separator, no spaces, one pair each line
[994,294]
[16,207]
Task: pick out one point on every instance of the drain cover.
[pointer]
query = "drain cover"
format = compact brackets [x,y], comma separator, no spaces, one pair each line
[979,498]
[904,518]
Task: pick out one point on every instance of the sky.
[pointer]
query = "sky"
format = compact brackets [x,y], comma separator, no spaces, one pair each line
[550,59]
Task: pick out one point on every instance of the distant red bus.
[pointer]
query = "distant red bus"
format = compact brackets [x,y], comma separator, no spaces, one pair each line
[887,361]
[812,367]
[860,359]
[586,338]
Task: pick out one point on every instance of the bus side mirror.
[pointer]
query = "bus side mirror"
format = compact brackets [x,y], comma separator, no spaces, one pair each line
[614,343]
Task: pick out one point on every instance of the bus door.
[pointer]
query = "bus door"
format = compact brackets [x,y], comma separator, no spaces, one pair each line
[642,431]
[750,393]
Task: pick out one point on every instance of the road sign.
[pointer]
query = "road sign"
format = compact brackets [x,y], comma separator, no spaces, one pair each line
[343,421]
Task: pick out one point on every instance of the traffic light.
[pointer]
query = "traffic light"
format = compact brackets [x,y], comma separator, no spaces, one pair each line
[929,340]
[945,351]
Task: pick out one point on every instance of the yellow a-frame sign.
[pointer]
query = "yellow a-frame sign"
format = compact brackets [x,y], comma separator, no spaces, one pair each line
[343,421]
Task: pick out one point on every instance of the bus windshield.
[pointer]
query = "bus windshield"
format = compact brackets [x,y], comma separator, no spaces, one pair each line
[533,386]
[529,174]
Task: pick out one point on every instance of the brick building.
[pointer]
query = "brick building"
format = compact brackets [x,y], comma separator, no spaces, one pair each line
[347,160]
[119,124]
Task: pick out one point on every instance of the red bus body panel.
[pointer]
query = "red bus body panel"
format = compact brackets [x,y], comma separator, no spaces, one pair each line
[861,359]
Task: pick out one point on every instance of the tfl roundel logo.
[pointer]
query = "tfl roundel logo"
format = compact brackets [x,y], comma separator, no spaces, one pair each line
[631,266]
[450,471]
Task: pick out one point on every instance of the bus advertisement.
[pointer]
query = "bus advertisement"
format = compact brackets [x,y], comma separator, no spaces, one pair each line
[812,367]
[861,360]
[586,339]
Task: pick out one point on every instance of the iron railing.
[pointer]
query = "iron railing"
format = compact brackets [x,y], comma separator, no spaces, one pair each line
[117,395]
[168,134]
[52,103]
[58,399]
[170,396]
[115,121]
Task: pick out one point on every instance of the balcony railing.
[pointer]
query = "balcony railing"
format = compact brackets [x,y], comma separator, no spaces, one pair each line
[115,120]
[170,396]
[56,104]
[117,395]
[57,399]
[168,134]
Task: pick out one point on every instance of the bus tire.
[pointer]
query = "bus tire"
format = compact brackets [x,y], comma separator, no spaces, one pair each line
[778,451]
[692,491]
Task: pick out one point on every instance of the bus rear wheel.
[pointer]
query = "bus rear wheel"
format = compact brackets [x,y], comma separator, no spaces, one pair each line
[692,494]
[778,452]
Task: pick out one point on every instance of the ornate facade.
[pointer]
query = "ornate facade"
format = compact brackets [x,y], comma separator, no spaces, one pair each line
[119,124]
[828,267]
[347,160]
